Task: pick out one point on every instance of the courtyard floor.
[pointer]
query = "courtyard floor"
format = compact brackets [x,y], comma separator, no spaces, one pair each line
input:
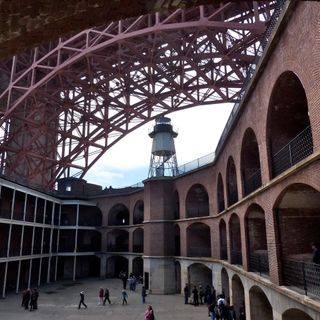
[60,301]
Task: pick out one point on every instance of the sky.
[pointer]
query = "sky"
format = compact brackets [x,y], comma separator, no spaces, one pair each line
[127,162]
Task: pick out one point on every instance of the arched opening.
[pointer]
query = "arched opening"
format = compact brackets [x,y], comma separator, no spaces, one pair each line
[223,240]
[260,307]
[295,314]
[118,215]
[118,241]
[137,267]
[237,293]
[177,273]
[177,246]
[115,265]
[225,283]
[257,239]
[176,205]
[297,212]
[289,132]
[220,194]
[199,274]
[250,163]
[138,212]
[197,202]
[198,240]
[138,240]
[235,239]
[232,188]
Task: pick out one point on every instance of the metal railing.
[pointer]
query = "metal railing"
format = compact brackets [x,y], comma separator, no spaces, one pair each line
[118,248]
[236,257]
[199,252]
[221,205]
[259,262]
[224,254]
[303,275]
[232,197]
[137,248]
[296,150]
[251,71]
[197,212]
[197,163]
[252,183]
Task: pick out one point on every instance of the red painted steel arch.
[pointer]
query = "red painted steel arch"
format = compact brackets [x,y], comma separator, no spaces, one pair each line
[65,103]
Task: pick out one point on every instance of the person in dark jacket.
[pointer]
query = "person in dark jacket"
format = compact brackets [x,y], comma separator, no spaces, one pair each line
[106,297]
[186,291]
[195,295]
[82,300]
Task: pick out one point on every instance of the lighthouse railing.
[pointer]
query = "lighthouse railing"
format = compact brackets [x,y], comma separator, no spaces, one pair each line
[197,163]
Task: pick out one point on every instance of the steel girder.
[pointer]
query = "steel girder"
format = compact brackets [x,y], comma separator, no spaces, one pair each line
[65,103]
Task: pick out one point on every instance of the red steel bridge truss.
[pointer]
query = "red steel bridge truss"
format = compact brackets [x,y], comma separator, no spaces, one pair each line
[65,103]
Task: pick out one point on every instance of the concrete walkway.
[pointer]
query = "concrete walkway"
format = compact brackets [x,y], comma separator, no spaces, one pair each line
[60,301]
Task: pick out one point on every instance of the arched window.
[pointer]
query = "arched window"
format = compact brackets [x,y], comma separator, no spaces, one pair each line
[232,187]
[288,128]
[118,215]
[250,163]
[220,194]
[197,202]
[138,212]
[199,240]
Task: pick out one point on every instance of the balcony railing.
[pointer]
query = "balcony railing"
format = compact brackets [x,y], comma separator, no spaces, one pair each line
[5,214]
[137,248]
[259,262]
[252,183]
[296,150]
[118,248]
[221,205]
[87,248]
[236,257]
[199,252]
[232,197]
[303,275]
[224,254]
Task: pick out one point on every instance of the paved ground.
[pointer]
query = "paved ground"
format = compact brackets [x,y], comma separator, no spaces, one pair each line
[60,301]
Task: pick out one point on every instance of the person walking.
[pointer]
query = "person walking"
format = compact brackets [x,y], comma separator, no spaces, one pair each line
[149,314]
[82,300]
[124,297]
[143,294]
[101,295]
[106,297]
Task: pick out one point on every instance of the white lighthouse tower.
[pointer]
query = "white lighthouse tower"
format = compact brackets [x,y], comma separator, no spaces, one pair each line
[163,154]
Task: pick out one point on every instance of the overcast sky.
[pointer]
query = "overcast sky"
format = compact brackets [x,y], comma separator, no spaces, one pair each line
[127,163]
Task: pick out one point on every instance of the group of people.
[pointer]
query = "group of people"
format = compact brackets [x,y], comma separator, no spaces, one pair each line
[30,299]
[221,309]
[201,296]
[218,306]
[104,296]
[133,280]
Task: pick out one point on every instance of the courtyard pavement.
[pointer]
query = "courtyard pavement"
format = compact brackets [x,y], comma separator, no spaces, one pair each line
[60,301]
